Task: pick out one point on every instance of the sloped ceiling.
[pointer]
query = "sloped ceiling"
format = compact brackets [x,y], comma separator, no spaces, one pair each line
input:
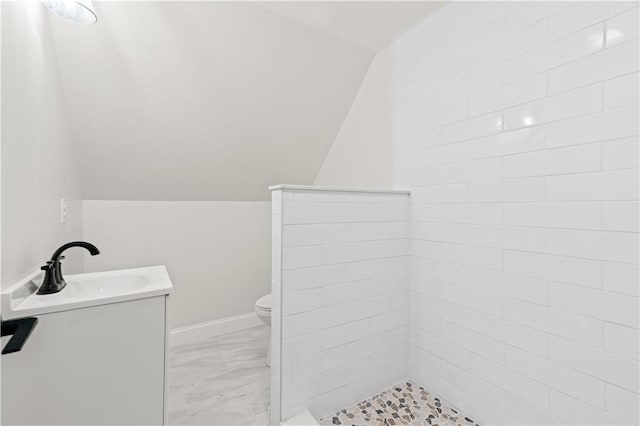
[202,100]
[372,25]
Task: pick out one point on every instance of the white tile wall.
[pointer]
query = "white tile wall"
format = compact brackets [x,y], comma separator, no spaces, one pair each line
[345,297]
[516,128]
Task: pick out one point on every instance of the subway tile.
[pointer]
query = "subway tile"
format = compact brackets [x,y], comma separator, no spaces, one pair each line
[516,383]
[484,346]
[612,246]
[509,237]
[338,294]
[604,65]
[442,232]
[582,272]
[312,234]
[302,391]
[426,249]
[366,269]
[389,248]
[623,403]
[301,346]
[487,73]
[485,34]
[611,124]
[622,27]
[301,257]
[555,321]
[486,169]
[621,278]
[317,362]
[345,252]
[388,212]
[474,127]
[573,410]
[580,15]
[529,12]
[621,91]
[523,140]
[345,212]
[620,154]
[620,216]
[578,385]
[552,211]
[564,105]
[359,231]
[344,333]
[482,14]
[606,185]
[444,349]
[558,52]
[574,159]
[525,90]
[621,340]
[481,301]
[455,111]
[611,368]
[573,214]
[484,213]
[525,413]
[302,279]
[527,338]
[444,271]
[534,366]
[485,102]
[611,307]
[511,285]
[523,40]
[301,301]
[319,319]
[447,193]
[296,213]
[366,308]
[527,189]
[343,374]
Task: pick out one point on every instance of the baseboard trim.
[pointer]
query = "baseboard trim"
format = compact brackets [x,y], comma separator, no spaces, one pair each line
[194,333]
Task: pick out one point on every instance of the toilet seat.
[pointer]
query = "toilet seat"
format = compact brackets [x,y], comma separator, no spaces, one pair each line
[264,303]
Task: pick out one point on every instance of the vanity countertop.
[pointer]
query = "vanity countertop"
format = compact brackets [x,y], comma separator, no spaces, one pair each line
[85,290]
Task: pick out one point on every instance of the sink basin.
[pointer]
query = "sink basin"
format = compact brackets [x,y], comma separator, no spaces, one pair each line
[84,290]
[100,287]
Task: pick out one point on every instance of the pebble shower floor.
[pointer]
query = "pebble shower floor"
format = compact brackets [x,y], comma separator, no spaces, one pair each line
[403,404]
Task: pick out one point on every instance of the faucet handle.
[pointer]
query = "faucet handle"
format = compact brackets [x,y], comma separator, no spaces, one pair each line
[48,266]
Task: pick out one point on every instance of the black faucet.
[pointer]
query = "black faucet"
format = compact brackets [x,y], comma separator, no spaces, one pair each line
[53,281]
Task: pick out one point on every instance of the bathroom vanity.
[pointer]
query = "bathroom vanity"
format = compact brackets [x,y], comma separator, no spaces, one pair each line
[97,355]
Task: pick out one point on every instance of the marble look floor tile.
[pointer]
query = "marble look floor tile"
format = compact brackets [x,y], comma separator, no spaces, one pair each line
[220,381]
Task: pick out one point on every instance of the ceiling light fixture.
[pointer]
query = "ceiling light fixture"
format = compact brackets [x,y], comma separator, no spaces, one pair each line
[78,11]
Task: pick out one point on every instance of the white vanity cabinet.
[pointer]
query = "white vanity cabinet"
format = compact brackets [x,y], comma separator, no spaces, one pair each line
[104,364]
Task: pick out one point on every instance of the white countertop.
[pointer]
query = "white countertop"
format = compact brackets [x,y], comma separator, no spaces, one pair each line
[84,290]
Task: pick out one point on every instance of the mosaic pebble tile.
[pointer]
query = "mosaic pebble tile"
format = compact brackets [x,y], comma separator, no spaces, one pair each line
[403,404]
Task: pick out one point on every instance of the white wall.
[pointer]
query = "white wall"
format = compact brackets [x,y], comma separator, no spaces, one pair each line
[217,253]
[218,91]
[38,159]
[516,127]
[361,152]
[344,301]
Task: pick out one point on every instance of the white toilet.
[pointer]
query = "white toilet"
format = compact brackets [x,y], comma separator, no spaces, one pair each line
[263,312]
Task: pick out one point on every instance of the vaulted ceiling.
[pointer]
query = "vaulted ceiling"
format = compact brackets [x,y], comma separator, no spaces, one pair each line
[213,100]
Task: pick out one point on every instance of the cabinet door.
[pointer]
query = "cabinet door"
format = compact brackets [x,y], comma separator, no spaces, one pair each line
[93,366]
